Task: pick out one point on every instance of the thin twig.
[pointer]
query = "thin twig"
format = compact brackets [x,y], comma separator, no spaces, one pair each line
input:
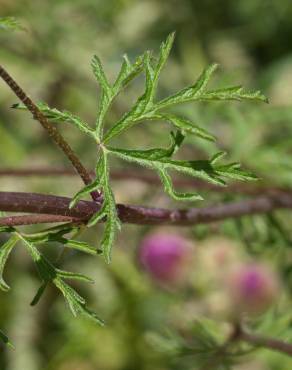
[56,205]
[51,129]
[265,342]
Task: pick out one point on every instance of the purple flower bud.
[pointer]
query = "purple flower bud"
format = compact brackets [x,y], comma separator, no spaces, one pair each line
[165,257]
[253,288]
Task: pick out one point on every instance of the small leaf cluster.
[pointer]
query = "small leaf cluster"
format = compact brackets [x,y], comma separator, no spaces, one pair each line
[148,108]
[48,273]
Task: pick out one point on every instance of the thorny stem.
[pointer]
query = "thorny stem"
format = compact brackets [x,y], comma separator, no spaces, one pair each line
[51,130]
[59,206]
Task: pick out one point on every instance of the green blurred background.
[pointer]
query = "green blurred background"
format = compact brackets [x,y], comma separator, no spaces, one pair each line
[50,58]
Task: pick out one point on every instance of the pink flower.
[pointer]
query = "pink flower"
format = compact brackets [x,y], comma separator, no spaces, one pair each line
[165,257]
[252,288]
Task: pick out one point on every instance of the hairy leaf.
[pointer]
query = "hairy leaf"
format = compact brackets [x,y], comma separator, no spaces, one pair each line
[5,251]
[168,187]
[185,125]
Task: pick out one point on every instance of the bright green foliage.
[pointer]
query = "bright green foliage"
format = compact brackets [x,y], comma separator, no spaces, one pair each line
[49,274]
[146,108]
[46,270]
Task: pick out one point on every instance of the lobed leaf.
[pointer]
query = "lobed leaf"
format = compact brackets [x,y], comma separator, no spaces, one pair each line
[185,125]
[192,92]
[168,187]
[127,73]
[201,169]
[5,251]
[234,93]
[48,273]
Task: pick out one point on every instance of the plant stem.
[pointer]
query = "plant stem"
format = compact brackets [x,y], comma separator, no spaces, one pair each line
[51,130]
[59,206]
[270,343]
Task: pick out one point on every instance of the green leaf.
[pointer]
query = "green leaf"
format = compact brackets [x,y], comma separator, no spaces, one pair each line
[98,216]
[234,93]
[53,114]
[192,92]
[95,185]
[10,23]
[49,273]
[5,339]
[128,72]
[232,171]
[168,187]
[101,77]
[76,303]
[73,276]
[81,246]
[200,169]
[217,157]
[165,49]
[185,125]
[5,251]
[112,224]
[145,103]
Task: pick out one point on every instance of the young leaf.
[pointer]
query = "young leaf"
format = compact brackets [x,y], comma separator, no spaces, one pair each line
[233,93]
[73,276]
[81,246]
[5,250]
[128,72]
[101,77]
[165,49]
[192,92]
[95,185]
[98,216]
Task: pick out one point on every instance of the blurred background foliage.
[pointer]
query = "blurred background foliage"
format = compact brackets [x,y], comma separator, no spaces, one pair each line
[50,58]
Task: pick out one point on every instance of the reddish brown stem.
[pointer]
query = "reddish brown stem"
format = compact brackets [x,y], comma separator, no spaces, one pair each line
[51,130]
[266,342]
[56,205]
